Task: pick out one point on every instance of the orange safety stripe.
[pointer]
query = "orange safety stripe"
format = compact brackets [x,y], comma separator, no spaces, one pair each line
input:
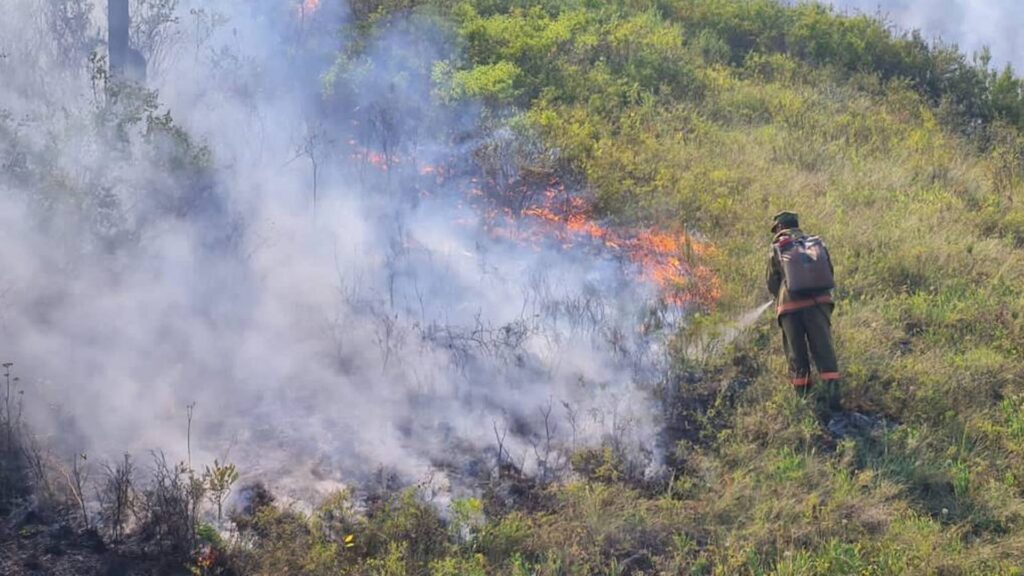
[804,381]
[829,375]
[805,303]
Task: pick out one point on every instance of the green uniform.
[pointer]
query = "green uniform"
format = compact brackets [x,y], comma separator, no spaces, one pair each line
[806,321]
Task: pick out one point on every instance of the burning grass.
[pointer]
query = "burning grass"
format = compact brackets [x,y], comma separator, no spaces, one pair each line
[551,216]
[669,261]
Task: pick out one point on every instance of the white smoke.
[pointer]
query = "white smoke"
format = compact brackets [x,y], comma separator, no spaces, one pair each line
[970,24]
[378,329]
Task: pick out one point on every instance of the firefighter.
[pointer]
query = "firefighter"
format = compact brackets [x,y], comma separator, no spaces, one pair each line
[805,318]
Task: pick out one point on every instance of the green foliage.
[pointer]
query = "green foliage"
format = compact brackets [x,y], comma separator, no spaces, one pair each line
[491,81]
[455,566]
[570,54]
[599,464]
[208,534]
[405,518]
[816,34]
[392,563]
[711,115]
[467,520]
[504,538]
[219,480]
[286,545]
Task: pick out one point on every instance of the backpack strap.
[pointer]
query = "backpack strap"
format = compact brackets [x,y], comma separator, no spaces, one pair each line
[782,244]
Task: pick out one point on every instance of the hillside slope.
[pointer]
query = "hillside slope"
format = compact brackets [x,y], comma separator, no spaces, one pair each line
[696,118]
[711,115]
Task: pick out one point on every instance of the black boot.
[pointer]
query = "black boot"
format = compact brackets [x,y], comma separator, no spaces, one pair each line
[832,396]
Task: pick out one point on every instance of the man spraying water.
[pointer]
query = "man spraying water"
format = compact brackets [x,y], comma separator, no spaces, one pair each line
[800,278]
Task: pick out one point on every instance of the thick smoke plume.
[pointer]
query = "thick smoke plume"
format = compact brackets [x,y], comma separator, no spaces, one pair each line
[293,266]
[970,24]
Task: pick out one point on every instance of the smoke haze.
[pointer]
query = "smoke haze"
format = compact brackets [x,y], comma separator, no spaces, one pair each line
[970,24]
[380,326]
[324,315]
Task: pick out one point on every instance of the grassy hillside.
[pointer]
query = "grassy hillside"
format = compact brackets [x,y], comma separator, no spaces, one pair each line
[708,116]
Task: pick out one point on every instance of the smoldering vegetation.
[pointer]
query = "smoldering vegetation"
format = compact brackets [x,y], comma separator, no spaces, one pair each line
[276,256]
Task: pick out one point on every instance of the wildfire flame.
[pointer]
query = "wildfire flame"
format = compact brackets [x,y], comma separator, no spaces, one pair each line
[670,261]
[308,6]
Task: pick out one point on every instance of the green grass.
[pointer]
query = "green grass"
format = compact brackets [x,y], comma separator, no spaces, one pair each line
[710,115]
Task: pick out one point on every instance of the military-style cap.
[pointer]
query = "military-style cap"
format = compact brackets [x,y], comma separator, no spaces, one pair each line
[786,219]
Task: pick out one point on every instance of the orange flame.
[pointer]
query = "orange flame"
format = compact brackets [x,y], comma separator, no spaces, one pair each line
[309,6]
[670,261]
